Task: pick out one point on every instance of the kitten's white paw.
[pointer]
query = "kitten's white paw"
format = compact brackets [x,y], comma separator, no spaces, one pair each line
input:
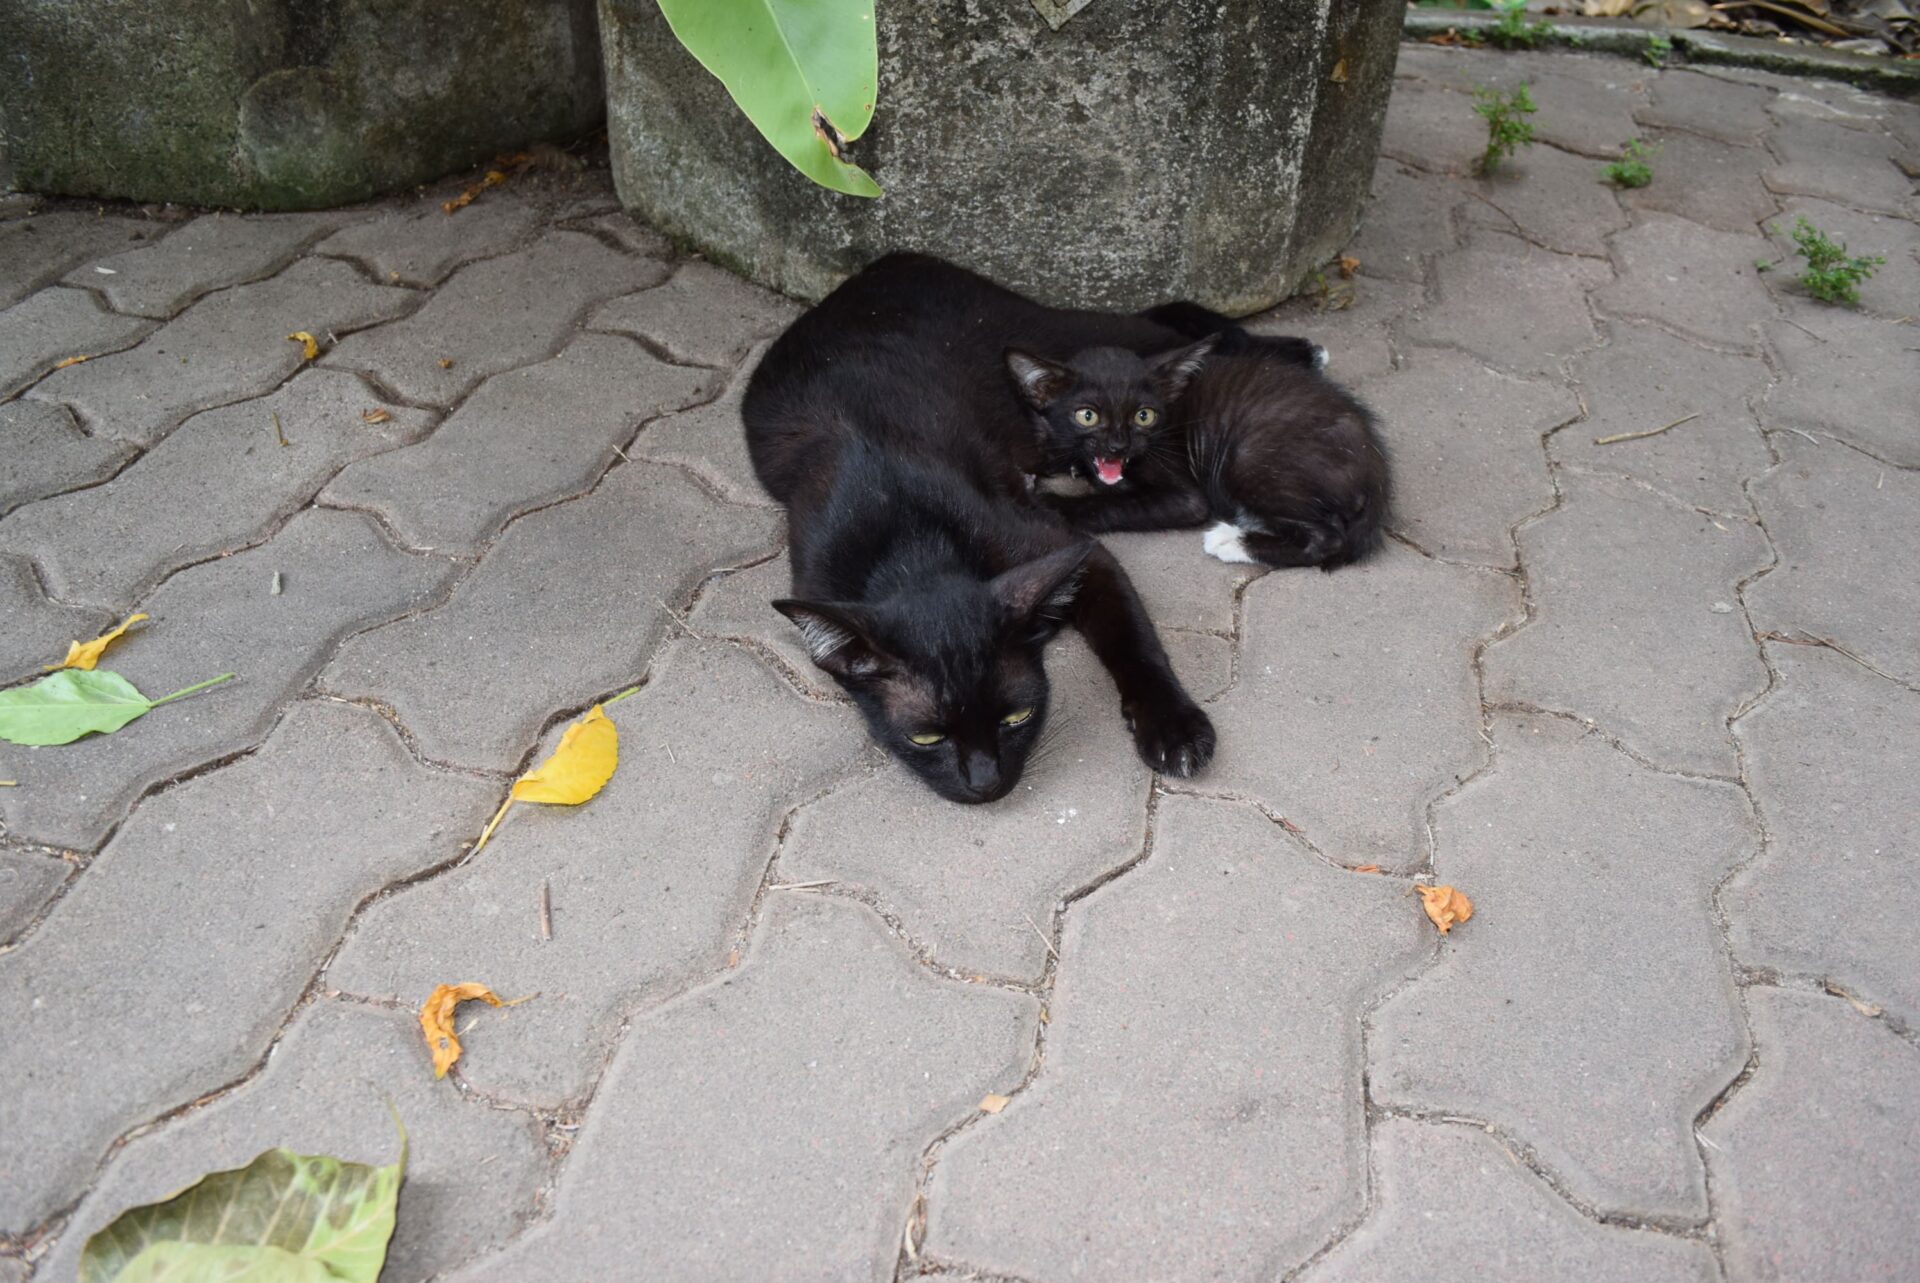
[1224,541]
[1320,357]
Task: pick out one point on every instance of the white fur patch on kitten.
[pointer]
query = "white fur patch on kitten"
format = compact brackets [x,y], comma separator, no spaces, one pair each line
[1319,357]
[1223,541]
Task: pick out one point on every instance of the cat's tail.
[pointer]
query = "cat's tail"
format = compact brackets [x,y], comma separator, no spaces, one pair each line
[1327,539]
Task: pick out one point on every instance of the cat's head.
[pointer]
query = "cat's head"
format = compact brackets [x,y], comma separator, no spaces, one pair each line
[1098,411]
[948,672]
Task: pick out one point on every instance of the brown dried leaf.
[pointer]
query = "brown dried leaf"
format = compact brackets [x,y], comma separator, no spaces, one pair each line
[375,416]
[72,360]
[1607,8]
[436,1021]
[1367,868]
[309,346]
[993,1104]
[1446,906]
[446,363]
[1348,266]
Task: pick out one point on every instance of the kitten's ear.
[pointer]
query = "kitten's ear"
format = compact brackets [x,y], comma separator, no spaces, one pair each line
[1173,371]
[1038,597]
[1040,382]
[836,636]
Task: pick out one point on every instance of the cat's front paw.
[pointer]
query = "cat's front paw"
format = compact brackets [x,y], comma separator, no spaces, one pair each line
[1176,739]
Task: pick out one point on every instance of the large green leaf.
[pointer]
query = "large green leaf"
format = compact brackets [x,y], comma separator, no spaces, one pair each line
[283,1218]
[785,60]
[62,707]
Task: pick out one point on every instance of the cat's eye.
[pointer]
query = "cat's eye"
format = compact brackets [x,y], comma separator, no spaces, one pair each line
[1087,417]
[927,740]
[1017,716]
[1146,416]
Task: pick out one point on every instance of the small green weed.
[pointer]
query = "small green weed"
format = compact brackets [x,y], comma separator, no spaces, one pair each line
[1635,166]
[1512,30]
[1658,50]
[1831,275]
[1508,128]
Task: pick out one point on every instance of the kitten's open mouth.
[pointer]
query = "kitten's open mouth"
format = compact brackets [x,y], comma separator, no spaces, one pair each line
[1108,469]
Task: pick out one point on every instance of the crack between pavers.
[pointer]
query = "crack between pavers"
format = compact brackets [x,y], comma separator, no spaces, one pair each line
[1590,726]
[1807,435]
[1236,633]
[930,1266]
[300,250]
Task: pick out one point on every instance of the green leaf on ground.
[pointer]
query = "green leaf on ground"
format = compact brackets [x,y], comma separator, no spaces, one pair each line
[63,706]
[802,71]
[283,1218]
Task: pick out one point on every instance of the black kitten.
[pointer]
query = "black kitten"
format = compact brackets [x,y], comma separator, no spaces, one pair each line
[1104,408]
[926,580]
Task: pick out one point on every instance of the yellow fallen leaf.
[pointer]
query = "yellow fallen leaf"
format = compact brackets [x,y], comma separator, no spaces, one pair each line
[445,364]
[993,1104]
[309,346]
[87,654]
[1446,906]
[375,416]
[579,768]
[436,1021]
[72,360]
[493,179]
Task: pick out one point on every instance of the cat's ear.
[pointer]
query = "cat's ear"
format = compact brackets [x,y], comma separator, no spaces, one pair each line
[1176,369]
[836,636]
[1037,597]
[1040,382]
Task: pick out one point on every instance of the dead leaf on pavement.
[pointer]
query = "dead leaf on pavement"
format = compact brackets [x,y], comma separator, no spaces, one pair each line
[1446,906]
[72,360]
[1367,868]
[1607,8]
[445,364]
[993,1104]
[579,768]
[375,416]
[436,1021]
[1348,266]
[87,654]
[309,346]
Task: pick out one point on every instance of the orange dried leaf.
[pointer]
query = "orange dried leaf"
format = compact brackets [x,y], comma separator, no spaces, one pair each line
[493,179]
[579,768]
[993,1104]
[309,346]
[375,416]
[1348,266]
[1446,906]
[436,1021]
[72,360]
[445,364]
[87,654]
[1366,868]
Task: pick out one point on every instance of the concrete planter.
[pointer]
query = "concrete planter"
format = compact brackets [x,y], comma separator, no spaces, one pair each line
[272,104]
[1216,149]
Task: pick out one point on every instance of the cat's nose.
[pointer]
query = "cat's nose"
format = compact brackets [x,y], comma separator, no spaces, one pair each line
[980,772]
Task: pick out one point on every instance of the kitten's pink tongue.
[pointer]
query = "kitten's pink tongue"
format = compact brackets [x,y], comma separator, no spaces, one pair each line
[1109,469]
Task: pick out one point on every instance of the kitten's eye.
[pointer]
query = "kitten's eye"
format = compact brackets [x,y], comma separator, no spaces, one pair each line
[1017,716]
[1087,417]
[927,740]
[1146,416]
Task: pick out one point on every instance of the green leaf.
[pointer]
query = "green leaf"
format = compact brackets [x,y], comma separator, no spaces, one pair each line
[62,707]
[786,60]
[283,1218]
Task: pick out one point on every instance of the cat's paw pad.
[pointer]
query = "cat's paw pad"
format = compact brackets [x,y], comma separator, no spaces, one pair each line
[1225,542]
[1177,740]
[1320,357]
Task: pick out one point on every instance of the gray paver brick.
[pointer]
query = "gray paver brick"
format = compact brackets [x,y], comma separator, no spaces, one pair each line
[524,438]
[1837,891]
[52,326]
[648,881]
[217,617]
[1181,585]
[45,452]
[1700,104]
[1645,379]
[1581,864]
[1465,445]
[1827,509]
[631,234]
[703,316]
[1815,1160]
[26,883]
[1587,115]
[710,441]
[494,315]
[735,607]
[1831,102]
[1432,129]
[224,348]
[39,250]
[1356,700]
[350,811]
[1453,1206]
[1624,632]
[1555,199]
[1705,181]
[567,605]
[1204,1022]
[422,245]
[1894,288]
[472,1172]
[35,631]
[212,251]
[1517,308]
[1698,281]
[1358,337]
[972,883]
[1408,219]
[1203,662]
[215,484]
[1851,166]
[1850,375]
[880,1062]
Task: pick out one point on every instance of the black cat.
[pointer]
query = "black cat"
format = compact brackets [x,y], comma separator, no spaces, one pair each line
[926,578]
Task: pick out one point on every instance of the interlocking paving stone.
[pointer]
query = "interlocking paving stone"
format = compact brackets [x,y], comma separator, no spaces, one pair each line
[1700,282]
[1586,1010]
[35,631]
[1205,1022]
[423,244]
[1815,1160]
[1849,375]
[526,437]
[46,452]
[1356,700]
[1700,104]
[1624,631]
[1705,181]
[26,883]
[472,1172]
[973,885]
[1894,288]
[330,809]
[1517,308]
[40,249]
[1432,129]
[656,872]
[735,607]
[224,348]
[1453,1206]
[630,233]
[677,1172]
[567,605]
[338,574]
[1357,337]
[52,326]
[217,483]
[1831,102]
[703,316]
[709,440]
[1465,445]
[1181,585]
[213,251]
[1554,199]
[1850,166]
[1645,379]
[1408,219]
[1202,661]
[1586,115]
[1837,891]
[493,315]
